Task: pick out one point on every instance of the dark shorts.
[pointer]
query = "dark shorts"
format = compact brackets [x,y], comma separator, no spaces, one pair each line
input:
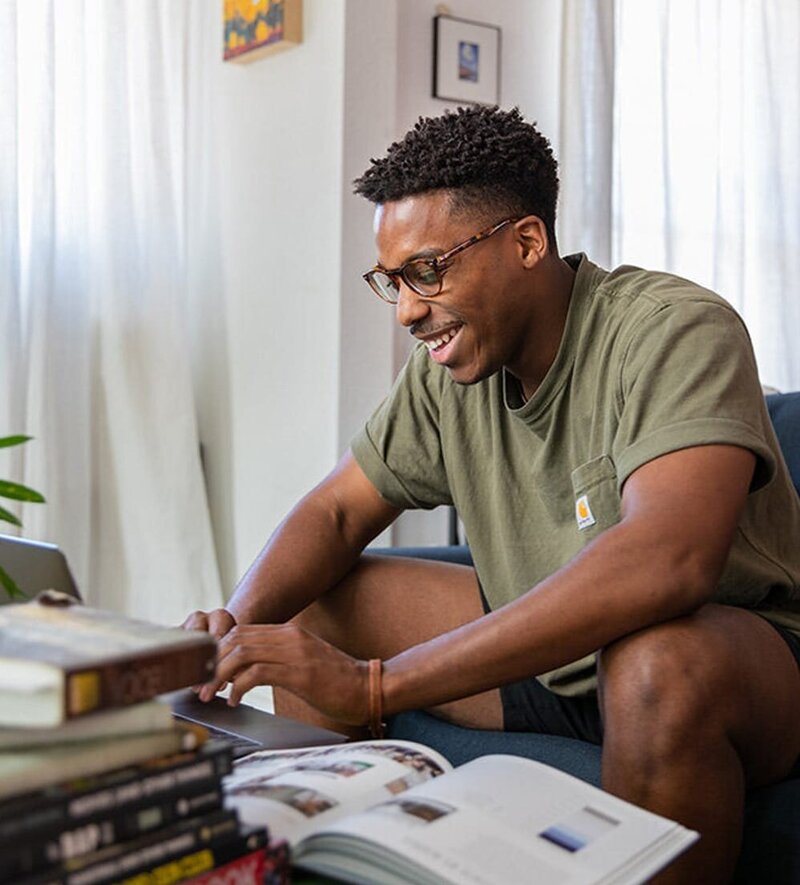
[529,706]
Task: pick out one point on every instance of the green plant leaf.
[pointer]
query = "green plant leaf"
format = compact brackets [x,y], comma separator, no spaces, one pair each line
[7,441]
[19,492]
[7,516]
[10,586]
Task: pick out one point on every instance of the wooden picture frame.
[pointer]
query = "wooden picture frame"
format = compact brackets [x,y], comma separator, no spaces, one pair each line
[255,28]
[466,61]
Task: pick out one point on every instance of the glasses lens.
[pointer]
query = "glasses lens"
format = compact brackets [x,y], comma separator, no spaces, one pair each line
[384,285]
[423,277]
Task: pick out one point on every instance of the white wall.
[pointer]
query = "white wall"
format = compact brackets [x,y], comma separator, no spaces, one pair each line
[366,363]
[279,127]
[294,351]
[530,56]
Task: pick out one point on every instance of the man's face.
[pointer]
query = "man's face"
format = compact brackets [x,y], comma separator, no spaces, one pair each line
[477,324]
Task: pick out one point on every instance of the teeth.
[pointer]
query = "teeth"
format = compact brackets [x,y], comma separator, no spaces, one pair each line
[438,342]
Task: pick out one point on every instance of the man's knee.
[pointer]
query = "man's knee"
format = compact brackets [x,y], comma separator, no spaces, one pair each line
[666,682]
[719,682]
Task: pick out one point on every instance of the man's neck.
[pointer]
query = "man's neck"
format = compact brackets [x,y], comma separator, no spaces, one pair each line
[556,286]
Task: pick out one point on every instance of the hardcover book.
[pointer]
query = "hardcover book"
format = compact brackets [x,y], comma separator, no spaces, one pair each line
[84,799]
[59,846]
[24,770]
[266,866]
[153,715]
[393,812]
[60,661]
[176,853]
[49,826]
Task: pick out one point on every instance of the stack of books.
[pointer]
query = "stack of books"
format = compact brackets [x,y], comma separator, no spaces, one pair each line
[98,782]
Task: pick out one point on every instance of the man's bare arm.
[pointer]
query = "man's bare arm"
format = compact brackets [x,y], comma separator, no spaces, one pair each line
[662,560]
[310,551]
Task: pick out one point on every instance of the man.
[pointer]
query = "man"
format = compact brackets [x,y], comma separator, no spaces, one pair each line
[605,441]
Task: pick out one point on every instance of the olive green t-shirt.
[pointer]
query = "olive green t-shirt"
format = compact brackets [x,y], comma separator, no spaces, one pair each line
[648,364]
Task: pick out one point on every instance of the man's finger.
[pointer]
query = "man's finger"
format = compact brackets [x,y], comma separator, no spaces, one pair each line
[219,622]
[244,681]
[196,621]
[208,691]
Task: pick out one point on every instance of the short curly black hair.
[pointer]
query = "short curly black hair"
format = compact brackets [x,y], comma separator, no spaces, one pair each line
[491,159]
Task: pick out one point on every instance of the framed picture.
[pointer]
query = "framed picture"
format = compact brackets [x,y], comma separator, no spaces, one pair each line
[466,61]
[255,28]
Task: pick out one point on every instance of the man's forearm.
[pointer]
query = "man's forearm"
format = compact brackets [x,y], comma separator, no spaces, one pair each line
[662,561]
[611,589]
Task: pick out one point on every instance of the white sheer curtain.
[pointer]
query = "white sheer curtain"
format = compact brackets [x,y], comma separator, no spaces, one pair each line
[695,124]
[94,349]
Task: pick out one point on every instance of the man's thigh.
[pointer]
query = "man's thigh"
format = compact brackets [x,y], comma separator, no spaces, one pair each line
[387,604]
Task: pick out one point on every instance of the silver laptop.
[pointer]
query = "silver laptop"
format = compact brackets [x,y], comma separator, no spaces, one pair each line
[36,566]
[247,728]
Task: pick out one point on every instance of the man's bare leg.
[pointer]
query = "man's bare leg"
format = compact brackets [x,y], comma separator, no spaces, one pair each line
[696,711]
[385,605]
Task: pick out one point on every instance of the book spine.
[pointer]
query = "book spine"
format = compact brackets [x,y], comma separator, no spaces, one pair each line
[174,854]
[58,846]
[186,867]
[247,869]
[123,682]
[91,798]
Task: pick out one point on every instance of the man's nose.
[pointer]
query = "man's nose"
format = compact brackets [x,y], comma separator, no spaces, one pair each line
[410,307]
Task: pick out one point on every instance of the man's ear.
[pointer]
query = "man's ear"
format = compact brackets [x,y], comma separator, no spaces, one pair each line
[532,239]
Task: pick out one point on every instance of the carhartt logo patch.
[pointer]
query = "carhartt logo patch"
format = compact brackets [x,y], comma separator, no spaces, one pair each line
[583,513]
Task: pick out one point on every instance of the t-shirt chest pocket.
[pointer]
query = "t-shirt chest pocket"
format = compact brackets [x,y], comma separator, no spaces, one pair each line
[597,500]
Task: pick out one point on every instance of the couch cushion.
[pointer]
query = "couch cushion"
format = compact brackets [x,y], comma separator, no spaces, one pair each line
[458,553]
[459,745]
[784,409]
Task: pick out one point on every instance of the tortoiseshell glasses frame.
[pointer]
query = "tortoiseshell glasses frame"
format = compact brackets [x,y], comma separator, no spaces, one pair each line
[425,276]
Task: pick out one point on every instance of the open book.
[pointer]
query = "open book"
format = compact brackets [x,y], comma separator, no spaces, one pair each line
[398,812]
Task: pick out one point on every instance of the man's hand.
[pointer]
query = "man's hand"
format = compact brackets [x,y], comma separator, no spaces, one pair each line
[217,622]
[290,657]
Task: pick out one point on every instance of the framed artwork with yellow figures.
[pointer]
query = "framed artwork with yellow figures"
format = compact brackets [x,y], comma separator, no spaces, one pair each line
[255,28]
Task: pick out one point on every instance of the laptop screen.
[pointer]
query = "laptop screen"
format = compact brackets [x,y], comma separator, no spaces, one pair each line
[35,566]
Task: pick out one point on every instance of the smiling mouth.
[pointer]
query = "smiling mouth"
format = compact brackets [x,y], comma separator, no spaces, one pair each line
[441,341]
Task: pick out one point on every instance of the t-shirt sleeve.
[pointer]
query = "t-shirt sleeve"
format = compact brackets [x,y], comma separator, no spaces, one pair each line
[400,448]
[689,378]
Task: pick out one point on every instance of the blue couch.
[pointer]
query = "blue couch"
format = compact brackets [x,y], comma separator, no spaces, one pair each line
[771,848]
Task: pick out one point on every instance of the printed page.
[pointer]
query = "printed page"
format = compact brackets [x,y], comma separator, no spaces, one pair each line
[503,813]
[294,792]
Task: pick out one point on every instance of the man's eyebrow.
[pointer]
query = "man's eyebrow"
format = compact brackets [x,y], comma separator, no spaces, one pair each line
[430,252]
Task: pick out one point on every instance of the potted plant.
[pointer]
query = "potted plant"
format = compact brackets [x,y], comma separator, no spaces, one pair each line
[16,492]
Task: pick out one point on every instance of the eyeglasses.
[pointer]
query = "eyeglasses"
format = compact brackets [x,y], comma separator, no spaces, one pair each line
[424,275]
